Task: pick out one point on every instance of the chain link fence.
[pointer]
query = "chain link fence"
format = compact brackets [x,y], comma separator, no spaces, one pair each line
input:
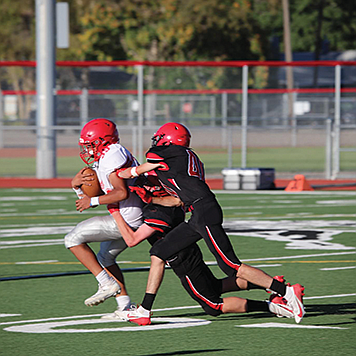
[209,100]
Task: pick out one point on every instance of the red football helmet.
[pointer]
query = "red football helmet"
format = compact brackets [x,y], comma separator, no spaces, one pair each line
[171,134]
[95,136]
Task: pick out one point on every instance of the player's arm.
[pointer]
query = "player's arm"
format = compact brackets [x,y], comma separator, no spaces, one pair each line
[132,238]
[167,200]
[141,169]
[147,197]
[118,194]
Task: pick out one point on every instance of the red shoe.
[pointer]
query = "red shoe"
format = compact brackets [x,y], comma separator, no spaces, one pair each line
[294,298]
[140,316]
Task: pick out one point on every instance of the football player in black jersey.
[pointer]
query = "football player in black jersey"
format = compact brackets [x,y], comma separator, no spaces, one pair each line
[181,173]
[188,264]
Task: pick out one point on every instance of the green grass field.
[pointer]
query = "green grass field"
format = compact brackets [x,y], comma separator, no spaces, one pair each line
[286,159]
[308,237]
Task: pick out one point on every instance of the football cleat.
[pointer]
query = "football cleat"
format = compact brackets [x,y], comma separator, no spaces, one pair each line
[294,298]
[104,292]
[281,309]
[120,314]
[140,316]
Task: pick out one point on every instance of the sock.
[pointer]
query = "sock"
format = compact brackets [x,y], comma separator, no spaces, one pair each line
[256,305]
[253,286]
[148,301]
[144,312]
[122,301]
[103,278]
[278,287]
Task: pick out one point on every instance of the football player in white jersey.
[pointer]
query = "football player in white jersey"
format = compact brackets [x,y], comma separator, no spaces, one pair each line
[100,149]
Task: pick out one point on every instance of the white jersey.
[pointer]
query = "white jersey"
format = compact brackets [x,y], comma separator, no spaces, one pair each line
[115,157]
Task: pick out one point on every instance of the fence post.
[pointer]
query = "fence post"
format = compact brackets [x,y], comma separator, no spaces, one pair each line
[1,120]
[223,118]
[45,85]
[84,107]
[328,150]
[229,148]
[244,115]
[213,110]
[140,112]
[336,141]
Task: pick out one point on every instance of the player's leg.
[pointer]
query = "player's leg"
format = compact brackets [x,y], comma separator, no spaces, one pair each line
[94,229]
[109,250]
[206,220]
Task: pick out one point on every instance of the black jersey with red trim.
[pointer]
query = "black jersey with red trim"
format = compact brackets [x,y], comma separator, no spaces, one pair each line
[183,173]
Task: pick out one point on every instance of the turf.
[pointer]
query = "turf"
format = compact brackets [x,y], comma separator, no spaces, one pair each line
[286,159]
[308,237]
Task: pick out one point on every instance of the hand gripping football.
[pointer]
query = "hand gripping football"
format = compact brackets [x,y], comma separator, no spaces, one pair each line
[94,189]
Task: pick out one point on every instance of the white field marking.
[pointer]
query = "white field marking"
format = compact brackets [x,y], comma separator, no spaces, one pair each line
[35,262]
[57,212]
[331,296]
[28,241]
[301,256]
[43,190]
[36,231]
[34,198]
[292,225]
[318,234]
[171,323]
[337,202]
[154,310]
[7,315]
[33,245]
[301,215]
[336,268]
[47,327]
[279,206]
[263,266]
[29,322]
[21,226]
[291,326]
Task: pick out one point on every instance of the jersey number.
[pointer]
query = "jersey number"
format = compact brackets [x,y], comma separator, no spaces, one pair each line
[195,166]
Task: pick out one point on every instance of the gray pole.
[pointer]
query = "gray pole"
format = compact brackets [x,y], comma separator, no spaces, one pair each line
[45,85]
[223,119]
[328,150]
[2,144]
[336,142]
[244,116]
[84,107]
[140,112]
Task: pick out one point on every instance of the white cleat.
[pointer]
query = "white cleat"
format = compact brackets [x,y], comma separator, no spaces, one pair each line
[294,297]
[104,292]
[281,310]
[120,315]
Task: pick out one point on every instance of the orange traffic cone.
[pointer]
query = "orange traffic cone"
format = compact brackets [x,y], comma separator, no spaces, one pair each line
[298,184]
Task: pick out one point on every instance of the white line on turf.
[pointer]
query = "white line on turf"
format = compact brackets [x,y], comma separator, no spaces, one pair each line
[337,268]
[154,310]
[281,325]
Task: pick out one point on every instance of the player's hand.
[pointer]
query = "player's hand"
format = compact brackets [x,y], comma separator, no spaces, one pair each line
[80,178]
[83,204]
[142,193]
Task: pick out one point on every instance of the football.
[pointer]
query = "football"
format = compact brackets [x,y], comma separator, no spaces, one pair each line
[93,190]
